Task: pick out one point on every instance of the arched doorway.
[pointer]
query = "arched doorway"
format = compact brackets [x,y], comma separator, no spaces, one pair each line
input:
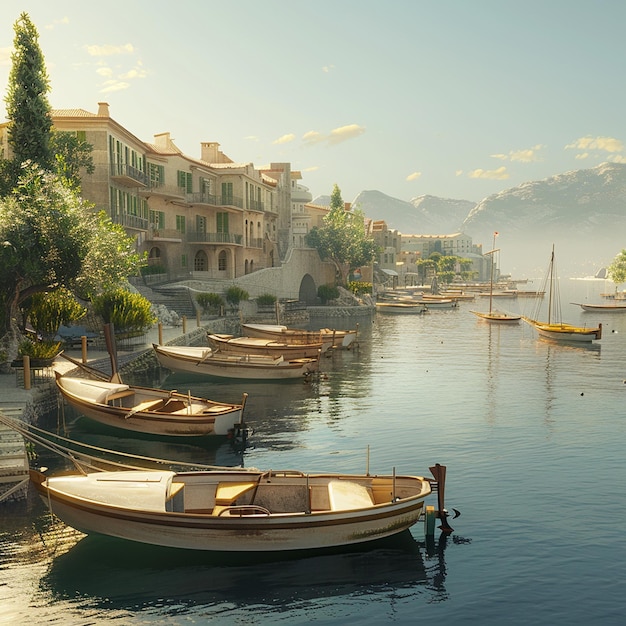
[201,262]
[308,290]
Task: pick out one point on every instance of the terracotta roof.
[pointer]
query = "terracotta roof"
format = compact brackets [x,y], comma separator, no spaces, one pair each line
[72,113]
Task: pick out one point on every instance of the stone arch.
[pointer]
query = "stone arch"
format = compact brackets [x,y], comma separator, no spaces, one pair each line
[245,267]
[200,262]
[308,290]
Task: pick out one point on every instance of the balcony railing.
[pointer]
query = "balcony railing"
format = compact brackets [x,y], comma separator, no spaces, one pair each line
[128,175]
[169,191]
[204,237]
[207,198]
[256,205]
[130,221]
[255,243]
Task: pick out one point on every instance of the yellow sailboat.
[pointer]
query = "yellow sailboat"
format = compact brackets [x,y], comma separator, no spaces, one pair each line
[554,328]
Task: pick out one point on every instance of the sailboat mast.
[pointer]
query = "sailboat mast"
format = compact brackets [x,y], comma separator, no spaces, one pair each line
[493,260]
[551,286]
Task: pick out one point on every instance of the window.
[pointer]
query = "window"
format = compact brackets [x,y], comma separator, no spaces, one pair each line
[183,260]
[200,262]
[227,193]
[180,223]
[156,173]
[221,261]
[222,222]
[157,219]
[185,181]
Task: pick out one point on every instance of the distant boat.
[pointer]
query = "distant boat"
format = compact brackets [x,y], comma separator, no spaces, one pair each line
[602,308]
[493,315]
[278,332]
[554,328]
[258,345]
[402,307]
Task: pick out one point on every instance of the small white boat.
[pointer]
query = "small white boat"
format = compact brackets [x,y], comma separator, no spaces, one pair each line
[603,308]
[206,362]
[239,510]
[150,411]
[439,303]
[260,345]
[399,306]
[336,338]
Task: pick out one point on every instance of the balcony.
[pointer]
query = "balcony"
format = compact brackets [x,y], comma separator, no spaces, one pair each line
[130,221]
[213,238]
[168,192]
[127,175]
[212,200]
[164,235]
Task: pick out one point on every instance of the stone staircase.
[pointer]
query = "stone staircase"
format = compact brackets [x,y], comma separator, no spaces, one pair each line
[175,298]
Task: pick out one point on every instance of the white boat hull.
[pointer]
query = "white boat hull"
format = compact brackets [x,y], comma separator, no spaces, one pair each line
[137,509]
[149,411]
[198,361]
[328,336]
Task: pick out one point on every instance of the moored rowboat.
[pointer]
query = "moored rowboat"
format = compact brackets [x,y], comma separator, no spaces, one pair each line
[240,510]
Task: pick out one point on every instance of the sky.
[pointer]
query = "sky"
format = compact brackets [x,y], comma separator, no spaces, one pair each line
[452,98]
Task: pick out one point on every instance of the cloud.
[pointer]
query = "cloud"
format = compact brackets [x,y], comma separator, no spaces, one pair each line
[413,176]
[313,168]
[528,155]
[252,138]
[458,173]
[582,155]
[343,133]
[136,72]
[106,72]
[312,137]
[499,174]
[328,68]
[605,144]
[284,139]
[618,158]
[109,50]
[336,136]
[114,85]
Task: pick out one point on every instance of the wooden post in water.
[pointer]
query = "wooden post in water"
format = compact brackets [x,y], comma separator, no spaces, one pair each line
[184,324]
[198,319]
[160,333]
[83,348]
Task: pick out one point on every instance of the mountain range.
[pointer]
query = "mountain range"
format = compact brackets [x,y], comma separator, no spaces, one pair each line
[581,212]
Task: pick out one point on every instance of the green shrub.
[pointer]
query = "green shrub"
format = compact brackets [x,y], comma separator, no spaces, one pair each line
[128,312]
[148,270]
[48,311]
[234,295]
[328,292]
[210,302]
[266,299]
[359,287]
[39,349]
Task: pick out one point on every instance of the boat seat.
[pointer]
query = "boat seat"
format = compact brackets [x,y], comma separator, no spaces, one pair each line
[227,493]
[148,405]
[345,495]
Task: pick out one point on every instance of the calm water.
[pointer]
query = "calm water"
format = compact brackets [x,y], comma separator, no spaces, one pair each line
[533,437]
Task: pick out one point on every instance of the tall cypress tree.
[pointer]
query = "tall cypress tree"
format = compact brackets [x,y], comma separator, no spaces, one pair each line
[27,103]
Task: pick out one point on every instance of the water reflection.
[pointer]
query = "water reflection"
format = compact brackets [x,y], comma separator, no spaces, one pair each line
[133,577]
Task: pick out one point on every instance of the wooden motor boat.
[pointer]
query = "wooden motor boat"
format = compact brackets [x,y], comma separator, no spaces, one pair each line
[259,345]
[240,510]
[206,362]
[337,338]
[149,411]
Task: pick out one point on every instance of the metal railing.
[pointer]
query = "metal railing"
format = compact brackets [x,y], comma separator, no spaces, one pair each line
[128,171]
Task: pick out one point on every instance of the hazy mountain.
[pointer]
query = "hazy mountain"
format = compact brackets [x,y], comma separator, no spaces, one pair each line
[582,212]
